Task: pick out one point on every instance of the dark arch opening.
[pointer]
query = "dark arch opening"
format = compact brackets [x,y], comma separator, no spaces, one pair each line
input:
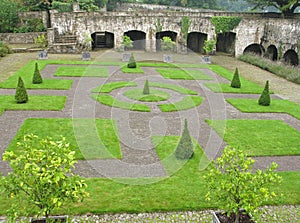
[103,40]
[195,41]
[272,53]
[226,42]
[160,35]
[291,57]
[138,38]
[255,49]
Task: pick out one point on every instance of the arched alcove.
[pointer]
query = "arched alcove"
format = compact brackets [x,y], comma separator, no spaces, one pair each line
[272,53]
[160,35]
[226,42]
[138,37]
[195,41]
[291,57]
[255,49]
[103,40]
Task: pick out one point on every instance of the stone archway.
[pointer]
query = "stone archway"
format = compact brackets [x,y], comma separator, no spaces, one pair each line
[255,48]
[103,40]
[272,53]
[226,42]
[138,37]
[160,35]
[195,41]
[291,57]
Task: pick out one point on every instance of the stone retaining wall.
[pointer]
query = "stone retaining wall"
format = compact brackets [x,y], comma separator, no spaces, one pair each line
[20,38]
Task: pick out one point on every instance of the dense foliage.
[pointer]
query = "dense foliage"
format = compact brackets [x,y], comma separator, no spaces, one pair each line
[225,24]
[4,49]
[8,15]
[167,44]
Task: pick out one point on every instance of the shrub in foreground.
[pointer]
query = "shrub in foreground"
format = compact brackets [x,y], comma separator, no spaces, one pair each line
[234,185]
[42,175]
[185,148]
[21,95]
[131,62]
[236,83]
[37,78]
[265,98]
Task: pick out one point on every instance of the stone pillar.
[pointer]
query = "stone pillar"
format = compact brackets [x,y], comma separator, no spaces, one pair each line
[50,36]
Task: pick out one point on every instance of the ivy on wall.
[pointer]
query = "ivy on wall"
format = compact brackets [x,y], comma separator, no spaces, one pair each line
[225,24]
[185,25]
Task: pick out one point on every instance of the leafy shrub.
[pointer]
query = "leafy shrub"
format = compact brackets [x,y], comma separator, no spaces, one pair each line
[234,185]
[37,78]
[209,46]
[185,148]
[127,42]
[146,89]
[42,174]
[131,62]
[4,49]
[236,83]
[265,98]
[41,41]
[167,44]
[21,95]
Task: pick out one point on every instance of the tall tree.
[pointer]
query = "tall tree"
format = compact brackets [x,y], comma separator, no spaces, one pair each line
[8,15]
[286,7]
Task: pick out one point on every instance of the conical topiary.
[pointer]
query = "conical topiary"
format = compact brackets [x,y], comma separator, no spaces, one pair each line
[131,62]
[146,88]
[265,98]
[37,78]
[21,95]
[236,83]
[184,150]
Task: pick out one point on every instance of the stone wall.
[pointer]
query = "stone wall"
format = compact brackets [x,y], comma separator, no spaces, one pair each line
[260,28]
[20,38]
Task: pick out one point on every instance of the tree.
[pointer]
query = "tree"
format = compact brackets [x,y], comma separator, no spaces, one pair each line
[185,148]
[37,78]
[8,15]
[87,5]
[21,95]
[131,62]
[235,186]
[286,7]
[207,4]
[167,44]
[265,98]
[146,89]
[235,82]
[127,42]
[42,174]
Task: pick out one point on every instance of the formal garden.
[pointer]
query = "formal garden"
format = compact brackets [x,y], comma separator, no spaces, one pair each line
[122,128]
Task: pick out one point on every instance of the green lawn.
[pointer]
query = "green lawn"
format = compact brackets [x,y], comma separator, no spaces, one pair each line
[108,100]
[154,96]
[136,70]
[79,71]
[183,190]
[187,74]
[247,87]
[276,106]
[172,65]
[26,73]
[35,102]
[259,137]
[173,87]
[109,87]
[187,102]
[89,138]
